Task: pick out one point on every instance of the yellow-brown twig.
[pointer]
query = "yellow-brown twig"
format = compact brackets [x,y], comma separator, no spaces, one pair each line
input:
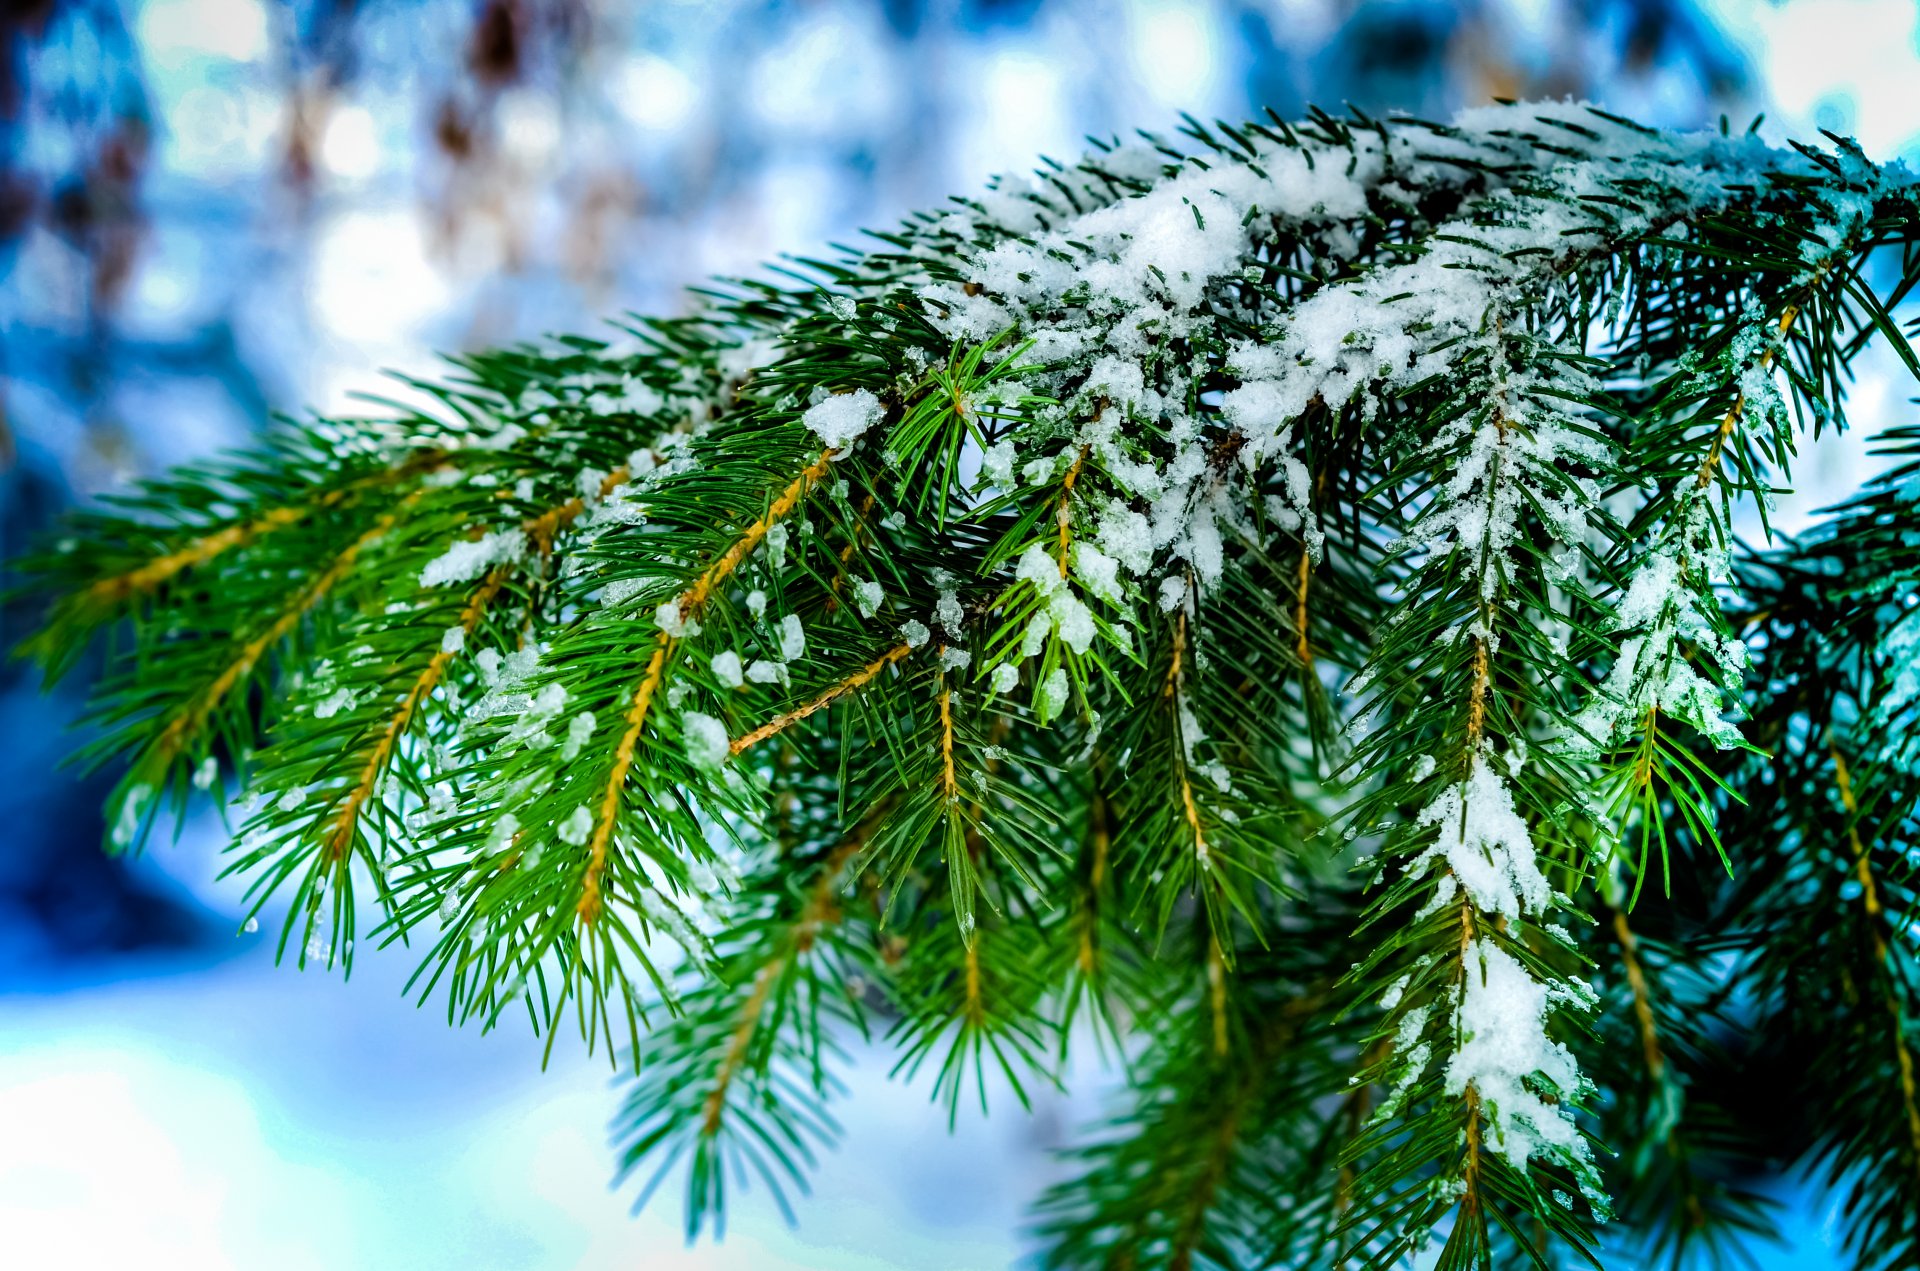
[1197,1194]
[346,820]
[690,603]
[1193,818]
[1099,845]
[1217,993]
[1470,1167]
[541,530]
[713,1111]
[1172,692]
[780,723]
[1179,650]
[589,904]
[174,737]
[1477,697]
[846,553]
[695,596]
[1870,901]
[1356,1105]
[203,549]
[949,783]
[1705,476]
[1064,515]
[819,911]
[976,1001]
[1642,999]
[1102,841]
[1301,646]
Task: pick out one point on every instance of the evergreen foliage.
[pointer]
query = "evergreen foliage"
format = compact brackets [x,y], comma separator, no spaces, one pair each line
[1272,603]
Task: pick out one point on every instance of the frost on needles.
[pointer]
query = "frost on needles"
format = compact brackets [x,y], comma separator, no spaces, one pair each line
[1268,600]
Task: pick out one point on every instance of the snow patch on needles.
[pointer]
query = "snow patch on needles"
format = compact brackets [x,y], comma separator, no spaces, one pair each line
[727,669]
[466,561]
[670,618]
[1141,264]
[840,420]
[1506,1056]
[577,828]
[1900,646]
[1484,844]
[1525,1079]
[579,733]
[1064,612]
[793,638]
[1670,602]
[868,596]
[707,744]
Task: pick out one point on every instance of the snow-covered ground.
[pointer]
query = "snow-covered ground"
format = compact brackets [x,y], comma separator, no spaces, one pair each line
[195,1118]
[175,1114]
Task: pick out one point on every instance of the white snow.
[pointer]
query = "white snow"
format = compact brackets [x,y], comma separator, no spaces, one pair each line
[1411,1055]
[1072,619]
[1035,638]
[1127,536]
[577,828]
[839,420]
[1040,569]
[621,590]
[996,464]
[468,559]
[868,596]
[501,837]
[126,822]
[948,612]
[533,715]
[1504,1051]
[1099,572]
[1106,288]
[1664,608]
[335,702]
[793,638]
[579,733]
[1053,693]
[726,669]
[706,740]
[673,620]
[1488,849]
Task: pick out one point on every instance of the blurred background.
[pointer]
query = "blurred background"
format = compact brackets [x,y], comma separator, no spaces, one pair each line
[213,210]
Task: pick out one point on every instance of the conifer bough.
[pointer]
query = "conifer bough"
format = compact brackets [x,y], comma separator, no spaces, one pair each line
[1269,599]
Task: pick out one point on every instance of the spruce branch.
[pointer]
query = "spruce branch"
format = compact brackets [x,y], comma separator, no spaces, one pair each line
[1031,622]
